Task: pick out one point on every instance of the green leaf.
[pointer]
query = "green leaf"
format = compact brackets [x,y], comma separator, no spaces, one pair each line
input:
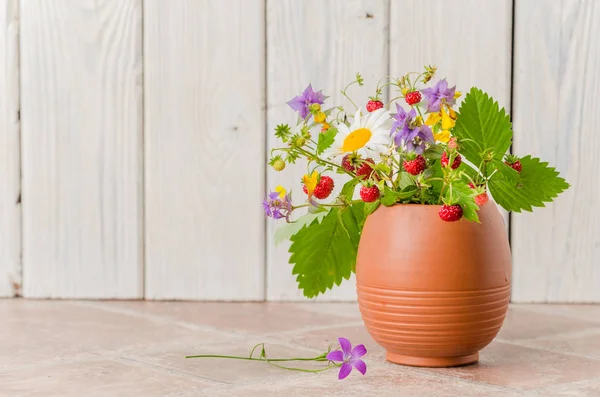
[324,253]
[348,189]
[326,139]
[371,207]
[287,230]
[535,185]
[391,197]
[482,126]
[406,179]
[463,195]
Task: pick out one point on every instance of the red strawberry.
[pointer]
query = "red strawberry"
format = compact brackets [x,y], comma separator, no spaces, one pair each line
[455,163]
[415,166]
[368,194]
[365,169]
[481,199]
[413,97]
[323,188]
[374,105]
[347,163]
[515,165]
[450,213]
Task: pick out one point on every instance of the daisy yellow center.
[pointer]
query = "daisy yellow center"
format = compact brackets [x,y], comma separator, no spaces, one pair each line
[356,139]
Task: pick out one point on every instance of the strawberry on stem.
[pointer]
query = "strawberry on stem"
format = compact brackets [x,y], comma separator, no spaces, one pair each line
[368,194]
[412,98]
[513,162]
[323,188]
[450,213]
[455,164]
[415,166]
[373,105]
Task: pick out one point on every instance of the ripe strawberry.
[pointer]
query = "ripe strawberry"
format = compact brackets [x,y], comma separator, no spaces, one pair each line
[323,188]
[368,194]
[365,169]
[513,162]
[517,166]
[413,97]
[455,163]
[415,166]
[450,213]
[374,105]
[348,163]
[481,199]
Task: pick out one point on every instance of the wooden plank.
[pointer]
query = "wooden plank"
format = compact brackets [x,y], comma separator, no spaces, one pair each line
[81,71]
[205,144]
[324,43]
[452,35]
[10,167]
[556,117]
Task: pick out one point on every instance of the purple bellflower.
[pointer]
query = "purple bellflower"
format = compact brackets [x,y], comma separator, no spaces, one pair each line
[301,103]
[436,94]
[406,132]
[349,358]
[277,205]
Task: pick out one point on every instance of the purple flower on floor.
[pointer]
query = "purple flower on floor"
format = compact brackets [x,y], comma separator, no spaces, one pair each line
[438,93]
[301,103]
[278,204]
[349,358]
[407,132]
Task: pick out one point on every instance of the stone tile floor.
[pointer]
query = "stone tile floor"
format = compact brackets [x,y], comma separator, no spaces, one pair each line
[92,348]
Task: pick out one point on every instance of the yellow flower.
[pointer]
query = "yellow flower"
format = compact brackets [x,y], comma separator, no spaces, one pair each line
[457,94]
[433,119]
[320,117]
[442,136]
[281,190]
[447,120]
[310,182]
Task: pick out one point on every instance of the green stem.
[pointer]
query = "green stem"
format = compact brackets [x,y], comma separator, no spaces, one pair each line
[319,358]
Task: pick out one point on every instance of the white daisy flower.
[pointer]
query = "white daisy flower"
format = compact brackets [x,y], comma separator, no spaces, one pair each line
[368,136]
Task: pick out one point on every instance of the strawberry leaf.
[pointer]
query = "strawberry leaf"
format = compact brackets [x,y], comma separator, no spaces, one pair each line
[535,185]
[482,127]
[287,230]
[463,195]
[324,252]
[326,139]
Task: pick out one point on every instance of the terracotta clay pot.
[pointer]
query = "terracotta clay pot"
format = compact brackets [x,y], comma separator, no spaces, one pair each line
[433,293]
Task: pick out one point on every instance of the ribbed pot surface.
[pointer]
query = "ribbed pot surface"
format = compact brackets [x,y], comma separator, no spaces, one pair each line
[433,293]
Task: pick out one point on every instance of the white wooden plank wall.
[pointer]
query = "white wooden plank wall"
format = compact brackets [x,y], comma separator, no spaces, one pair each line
[324,43]
[81,111]
[10,179]
[456,36]
[205,144]
[142,169]
[556,117]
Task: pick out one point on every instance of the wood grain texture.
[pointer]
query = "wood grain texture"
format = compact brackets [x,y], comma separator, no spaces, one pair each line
[205,145]
[556,118]
[469,41]
[10,166]
[324,43]
[81,149]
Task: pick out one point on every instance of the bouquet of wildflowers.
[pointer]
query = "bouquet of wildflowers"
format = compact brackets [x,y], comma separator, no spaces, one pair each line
[419,148]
